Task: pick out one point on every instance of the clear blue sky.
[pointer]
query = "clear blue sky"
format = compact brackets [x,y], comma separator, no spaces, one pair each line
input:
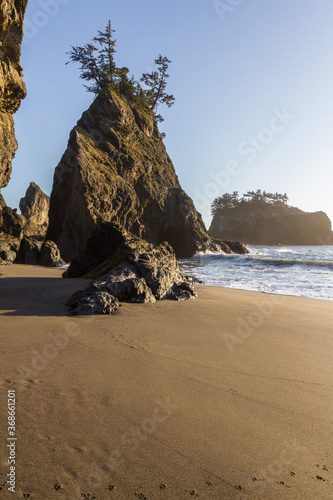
[253,82]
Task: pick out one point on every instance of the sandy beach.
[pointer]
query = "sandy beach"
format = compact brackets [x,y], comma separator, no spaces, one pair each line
[229,396]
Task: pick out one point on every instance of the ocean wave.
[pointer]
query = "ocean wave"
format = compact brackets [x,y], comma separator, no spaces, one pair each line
[208,252]
[292,262]
[298,271]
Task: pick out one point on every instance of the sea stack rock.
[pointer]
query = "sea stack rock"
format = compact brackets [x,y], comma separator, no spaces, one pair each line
[35,208]
[272,226]
[12,88]
[116,169]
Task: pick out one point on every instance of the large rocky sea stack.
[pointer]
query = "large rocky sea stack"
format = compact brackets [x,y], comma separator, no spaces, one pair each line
[116,169]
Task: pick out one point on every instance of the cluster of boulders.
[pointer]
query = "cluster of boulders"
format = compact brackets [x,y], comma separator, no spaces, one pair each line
[22,237]
[125,269]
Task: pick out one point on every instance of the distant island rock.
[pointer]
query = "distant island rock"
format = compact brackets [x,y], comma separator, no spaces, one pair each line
[116,169]
[257,221]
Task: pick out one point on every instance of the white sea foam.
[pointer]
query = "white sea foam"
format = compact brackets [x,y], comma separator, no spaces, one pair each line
[299,270]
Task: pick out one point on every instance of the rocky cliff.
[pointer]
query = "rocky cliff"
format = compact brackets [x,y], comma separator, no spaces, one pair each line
[272,225]
[116,169]
[35,208]
[12,88]
[22,237]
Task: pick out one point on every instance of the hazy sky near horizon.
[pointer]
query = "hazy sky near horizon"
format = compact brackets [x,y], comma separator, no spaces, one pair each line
[253,82]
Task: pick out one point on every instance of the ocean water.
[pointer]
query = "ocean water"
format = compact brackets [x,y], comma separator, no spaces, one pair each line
[303,271]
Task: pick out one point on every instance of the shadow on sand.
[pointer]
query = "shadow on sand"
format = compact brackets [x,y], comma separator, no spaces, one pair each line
[37,296]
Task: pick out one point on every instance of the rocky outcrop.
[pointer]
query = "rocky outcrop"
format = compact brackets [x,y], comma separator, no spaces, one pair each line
[11,222]
[116,169]
[28,252]
[22,236]
[35,208]
[33,252]
[89,302]
[128,269]
[50,255]
[272,225]
[9,247]
[12,88]
[11,232]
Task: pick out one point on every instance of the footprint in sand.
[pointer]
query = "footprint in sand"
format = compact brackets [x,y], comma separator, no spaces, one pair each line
[141,496]
[323,467]
[319,476]
[57,486]
[282,483]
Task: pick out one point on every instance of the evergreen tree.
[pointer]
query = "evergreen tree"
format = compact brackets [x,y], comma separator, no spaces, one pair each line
[97,63]
[228,201]
[106,64]
[156,81]
[98,67]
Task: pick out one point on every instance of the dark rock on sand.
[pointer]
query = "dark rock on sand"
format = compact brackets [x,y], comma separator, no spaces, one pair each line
[33,252]
[89,302]
[125,283]
[28,252]
[50,255]
[129,269]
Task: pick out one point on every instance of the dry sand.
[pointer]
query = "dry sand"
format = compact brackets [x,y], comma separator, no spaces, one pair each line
[167,400]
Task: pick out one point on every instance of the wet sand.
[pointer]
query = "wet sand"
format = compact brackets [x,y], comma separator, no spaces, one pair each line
[229,396]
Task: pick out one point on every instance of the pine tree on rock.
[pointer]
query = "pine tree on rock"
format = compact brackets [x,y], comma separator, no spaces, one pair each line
[97,62]
[98,67]
[156,81]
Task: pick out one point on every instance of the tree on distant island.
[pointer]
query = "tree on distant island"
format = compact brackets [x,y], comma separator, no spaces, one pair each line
[98,67]
[257,198]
